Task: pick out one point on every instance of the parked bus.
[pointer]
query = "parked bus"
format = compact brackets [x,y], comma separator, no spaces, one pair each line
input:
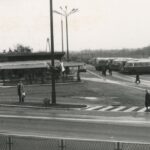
[140,66]
[118,63]
[100,62]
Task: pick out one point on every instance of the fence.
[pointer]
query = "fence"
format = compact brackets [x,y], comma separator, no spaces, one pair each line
[24,143]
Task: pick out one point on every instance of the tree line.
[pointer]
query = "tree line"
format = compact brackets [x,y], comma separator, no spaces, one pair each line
[19,48]
[86,55]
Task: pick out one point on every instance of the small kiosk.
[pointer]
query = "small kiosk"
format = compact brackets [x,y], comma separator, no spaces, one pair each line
[73,69]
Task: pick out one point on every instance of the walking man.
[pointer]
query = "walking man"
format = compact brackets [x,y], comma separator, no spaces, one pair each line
[137,79]
[104,70]
[20,90]
[110,69]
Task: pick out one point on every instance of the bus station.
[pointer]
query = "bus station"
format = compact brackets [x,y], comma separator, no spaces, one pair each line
[35,68]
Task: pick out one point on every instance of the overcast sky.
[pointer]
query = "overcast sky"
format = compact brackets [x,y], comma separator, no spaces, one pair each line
[99,24]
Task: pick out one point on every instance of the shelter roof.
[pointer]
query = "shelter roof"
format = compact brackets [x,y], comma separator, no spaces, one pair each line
[9,57]
[26,64]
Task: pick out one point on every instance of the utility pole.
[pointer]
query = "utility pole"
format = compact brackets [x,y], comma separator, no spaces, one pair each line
[52,54]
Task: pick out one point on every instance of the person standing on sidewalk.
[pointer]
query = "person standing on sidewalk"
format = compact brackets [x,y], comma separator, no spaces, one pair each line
[147,99]
[20,90]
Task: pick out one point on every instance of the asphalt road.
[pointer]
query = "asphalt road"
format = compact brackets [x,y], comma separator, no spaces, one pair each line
[126,80]
[120,127]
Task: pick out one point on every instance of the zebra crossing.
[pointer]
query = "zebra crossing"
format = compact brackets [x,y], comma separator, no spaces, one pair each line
[115,108]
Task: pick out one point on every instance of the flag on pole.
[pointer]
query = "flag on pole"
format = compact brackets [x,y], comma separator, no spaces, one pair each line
[62,66]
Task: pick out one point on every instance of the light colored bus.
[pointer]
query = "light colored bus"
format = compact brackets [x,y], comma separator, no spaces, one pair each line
[140,66]
[118,63]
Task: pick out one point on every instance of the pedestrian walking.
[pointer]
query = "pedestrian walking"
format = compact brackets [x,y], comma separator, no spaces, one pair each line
[110,69]
[21,92]
[137,79]
[104,71]
[147,99]
[110,72]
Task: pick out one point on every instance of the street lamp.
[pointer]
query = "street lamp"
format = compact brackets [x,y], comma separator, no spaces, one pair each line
[65,13]
[62,34]
[48,45]
[52,53]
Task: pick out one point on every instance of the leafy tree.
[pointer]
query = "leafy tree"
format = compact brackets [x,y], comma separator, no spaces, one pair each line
[22,49]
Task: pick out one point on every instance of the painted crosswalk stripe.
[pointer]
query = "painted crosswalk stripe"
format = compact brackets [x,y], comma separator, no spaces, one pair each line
[93,108]
[142,110]
[119,108]
[131,109]
[106,108]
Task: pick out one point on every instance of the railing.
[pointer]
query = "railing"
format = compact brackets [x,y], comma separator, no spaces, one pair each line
[29,143]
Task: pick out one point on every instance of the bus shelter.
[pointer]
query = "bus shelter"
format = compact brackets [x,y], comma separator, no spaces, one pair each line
[30,72]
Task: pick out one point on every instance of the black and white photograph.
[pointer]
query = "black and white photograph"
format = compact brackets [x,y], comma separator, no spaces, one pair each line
[74,75]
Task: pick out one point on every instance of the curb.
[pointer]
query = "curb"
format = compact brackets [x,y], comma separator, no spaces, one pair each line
[43,107]
[65,83]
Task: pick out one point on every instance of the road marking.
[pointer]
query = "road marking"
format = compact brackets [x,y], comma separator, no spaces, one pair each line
[92,108]
[119,108]
[106,108]
[115,109]
[131,109]
[137,122]
[94,74]
[142,110]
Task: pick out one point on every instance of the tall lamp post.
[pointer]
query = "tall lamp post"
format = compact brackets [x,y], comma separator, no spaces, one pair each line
[48,45]
[52,53]
[65,13]
[62,34]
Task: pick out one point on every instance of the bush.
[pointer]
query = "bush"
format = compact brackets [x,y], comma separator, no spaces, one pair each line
[46,102]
